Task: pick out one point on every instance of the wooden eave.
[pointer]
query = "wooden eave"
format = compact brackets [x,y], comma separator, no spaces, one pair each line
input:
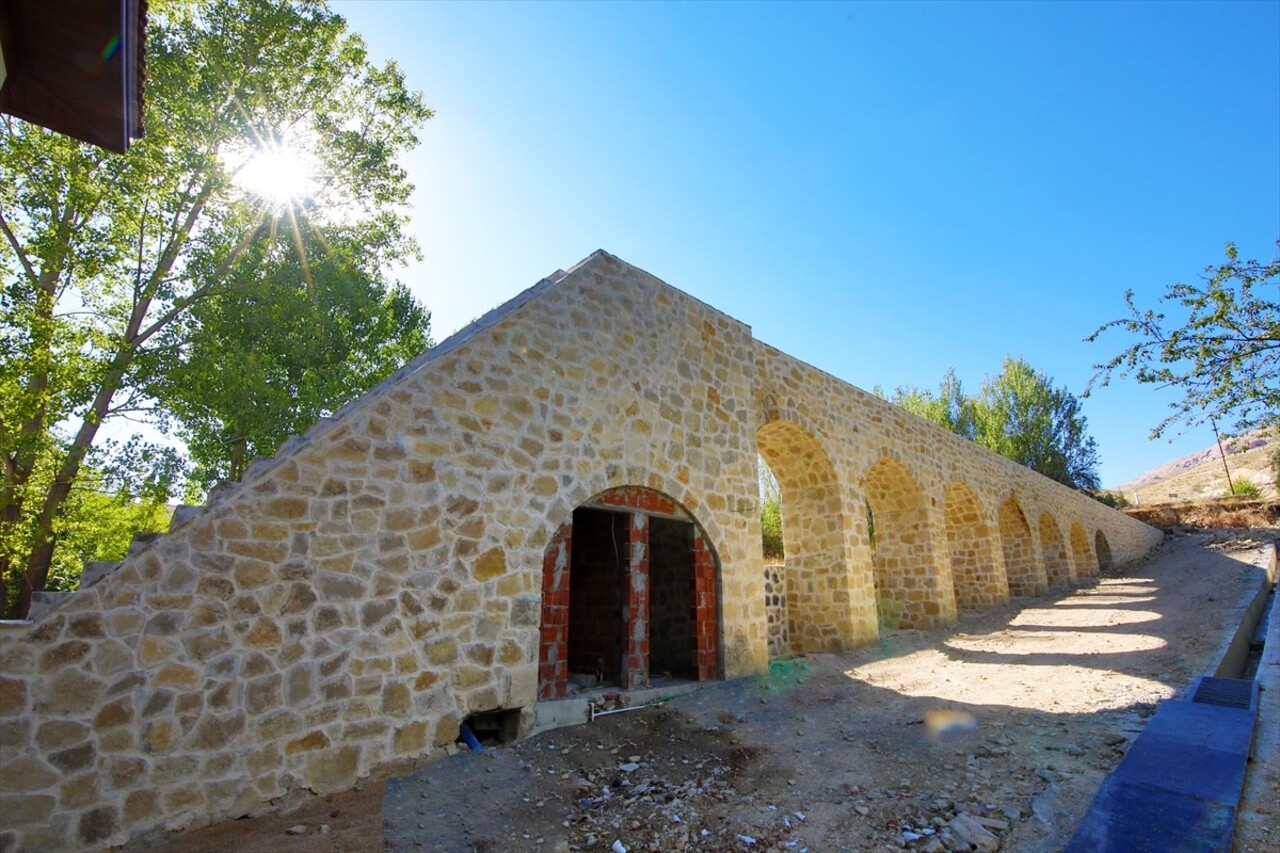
[76,67]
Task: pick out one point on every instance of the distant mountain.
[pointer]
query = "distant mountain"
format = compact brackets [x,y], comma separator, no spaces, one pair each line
[1200,475]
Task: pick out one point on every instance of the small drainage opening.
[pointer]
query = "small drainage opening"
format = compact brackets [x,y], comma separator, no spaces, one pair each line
[494,728]
[1229,692]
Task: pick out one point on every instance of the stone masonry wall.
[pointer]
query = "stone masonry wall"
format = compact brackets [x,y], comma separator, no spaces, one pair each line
[345,608]
[776,610]
[877,453]
[405,564]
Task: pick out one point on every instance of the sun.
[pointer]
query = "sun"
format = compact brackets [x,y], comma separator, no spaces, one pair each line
[281,174]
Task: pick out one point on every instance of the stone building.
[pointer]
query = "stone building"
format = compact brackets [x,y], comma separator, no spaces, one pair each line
[566,489]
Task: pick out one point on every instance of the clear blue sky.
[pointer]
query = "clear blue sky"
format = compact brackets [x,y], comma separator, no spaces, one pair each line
[884,190]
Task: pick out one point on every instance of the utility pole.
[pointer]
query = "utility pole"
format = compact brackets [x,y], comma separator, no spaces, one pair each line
[1231,489]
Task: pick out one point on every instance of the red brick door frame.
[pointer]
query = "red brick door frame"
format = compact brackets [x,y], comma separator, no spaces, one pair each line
[553,646]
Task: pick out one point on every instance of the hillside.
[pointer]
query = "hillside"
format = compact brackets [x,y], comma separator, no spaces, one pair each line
[1200,475]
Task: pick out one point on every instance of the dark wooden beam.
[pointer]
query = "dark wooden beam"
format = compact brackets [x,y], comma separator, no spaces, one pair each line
[76,67]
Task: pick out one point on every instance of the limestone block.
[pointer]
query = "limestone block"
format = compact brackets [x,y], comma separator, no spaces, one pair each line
[332,770]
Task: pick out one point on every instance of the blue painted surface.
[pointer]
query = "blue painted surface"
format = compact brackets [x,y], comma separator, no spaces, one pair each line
[1137,818]
[1178,787]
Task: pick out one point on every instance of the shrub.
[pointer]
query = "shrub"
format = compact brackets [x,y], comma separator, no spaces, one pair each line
[1115,500]
[771,527]
[1243,487]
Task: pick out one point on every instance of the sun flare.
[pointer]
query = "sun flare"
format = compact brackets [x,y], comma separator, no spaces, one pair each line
[280,174]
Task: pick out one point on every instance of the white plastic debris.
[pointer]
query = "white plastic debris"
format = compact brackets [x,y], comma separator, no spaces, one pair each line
[618,847]
[746,839]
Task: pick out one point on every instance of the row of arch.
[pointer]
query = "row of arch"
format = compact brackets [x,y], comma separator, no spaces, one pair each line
[631,582]
[987,557]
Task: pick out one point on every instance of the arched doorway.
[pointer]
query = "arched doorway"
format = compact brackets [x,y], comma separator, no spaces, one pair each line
[1086,567]
[629,596]
[907,589]
[978,581]
[815,576]
[1103,549]
[1057,562]
[1023,570]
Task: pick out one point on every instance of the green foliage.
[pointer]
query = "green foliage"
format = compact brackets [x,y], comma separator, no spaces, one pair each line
[132,284]
[770,513]
[1115,500]
[1018,414]
[263,360]
[1243,487]
[949,408]
[99,526]
[1221,348]
[105,507]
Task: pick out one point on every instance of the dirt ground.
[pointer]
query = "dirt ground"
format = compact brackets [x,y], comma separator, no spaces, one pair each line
[995,733]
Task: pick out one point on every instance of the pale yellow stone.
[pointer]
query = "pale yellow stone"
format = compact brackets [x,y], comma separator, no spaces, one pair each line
[490,564]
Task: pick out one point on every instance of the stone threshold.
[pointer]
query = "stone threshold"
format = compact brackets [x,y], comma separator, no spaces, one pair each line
[576,710]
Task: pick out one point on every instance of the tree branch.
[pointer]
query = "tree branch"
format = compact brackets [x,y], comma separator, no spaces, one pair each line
[181,305]
[17,250]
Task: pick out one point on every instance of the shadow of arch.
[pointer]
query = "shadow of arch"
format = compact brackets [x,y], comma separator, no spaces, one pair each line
[978,577]
[908,591]
[1103,549]
[1023,570]
[1081,556]
[629,584]
[816,574]
[1057,561]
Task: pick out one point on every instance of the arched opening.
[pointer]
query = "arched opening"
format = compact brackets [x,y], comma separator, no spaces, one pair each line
[1103,549]
[978,581]
[1057,562]
[816,575]
[907,594]
[1085,565]
[1022,569]
[629,597]
[775,591]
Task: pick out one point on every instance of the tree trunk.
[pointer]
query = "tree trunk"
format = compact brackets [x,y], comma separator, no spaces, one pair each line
[41,558]
[21,464]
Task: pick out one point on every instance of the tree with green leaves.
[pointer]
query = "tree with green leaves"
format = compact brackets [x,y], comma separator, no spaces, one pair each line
[1219,346]
[1022,416]
[950,408]
[100,518]
[262,361]
[266,199]
[1018,414]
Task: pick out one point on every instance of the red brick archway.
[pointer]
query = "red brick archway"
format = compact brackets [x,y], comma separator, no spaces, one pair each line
[633,587]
